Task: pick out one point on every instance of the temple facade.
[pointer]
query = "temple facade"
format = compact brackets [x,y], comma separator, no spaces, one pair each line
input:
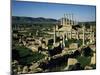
[67,29]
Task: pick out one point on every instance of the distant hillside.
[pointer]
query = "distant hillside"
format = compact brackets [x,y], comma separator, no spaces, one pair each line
[40,20]
[31,20]
[88,23]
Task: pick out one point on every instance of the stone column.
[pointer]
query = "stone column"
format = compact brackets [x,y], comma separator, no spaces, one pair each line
[61,21]
[83,35]
[69,19]
[54,39]
[63,40]
[93,37]
[71,34]
[91,40]
[66,36]
[66,19]
[72,20]
[77,35]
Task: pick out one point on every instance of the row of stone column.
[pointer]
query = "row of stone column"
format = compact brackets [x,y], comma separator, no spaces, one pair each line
[68,20]
[77,34]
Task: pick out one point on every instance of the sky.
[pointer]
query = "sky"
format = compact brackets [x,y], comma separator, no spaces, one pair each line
[81,13]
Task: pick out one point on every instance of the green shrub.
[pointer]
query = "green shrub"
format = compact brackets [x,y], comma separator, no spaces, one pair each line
[84,60]
[26,56]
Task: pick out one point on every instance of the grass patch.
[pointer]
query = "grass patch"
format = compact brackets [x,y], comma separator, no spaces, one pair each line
[26,56]
[84,60]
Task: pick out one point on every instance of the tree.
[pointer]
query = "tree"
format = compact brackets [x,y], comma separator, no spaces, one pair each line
[77,53]
[87,51]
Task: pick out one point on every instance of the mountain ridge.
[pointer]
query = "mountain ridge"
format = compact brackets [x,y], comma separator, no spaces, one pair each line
[30,20]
